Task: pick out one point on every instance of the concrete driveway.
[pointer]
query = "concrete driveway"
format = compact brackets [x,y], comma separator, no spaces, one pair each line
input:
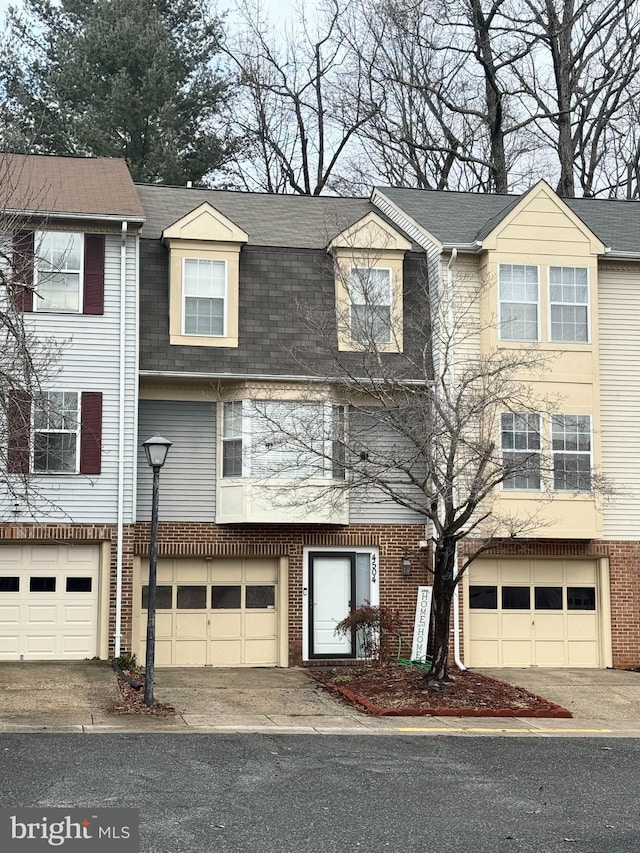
[590,694]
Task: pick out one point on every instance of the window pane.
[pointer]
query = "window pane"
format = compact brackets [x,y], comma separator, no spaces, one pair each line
[516,598]
[258,597]
[483,597]
[9,584]
[520,444]
[225,597]
[581,598]
[79,584]
[232,459]
[163,597]
[518,288]
[203,316]
[54,452]
[42,584]
[548,597]
[204,296]
[192,597]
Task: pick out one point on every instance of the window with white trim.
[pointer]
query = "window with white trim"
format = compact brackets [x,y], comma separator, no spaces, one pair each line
[569,304]
[282,438]
[571,445]
[519,302]
[370,295]
[521,450]
[58,271]
[204,293]
[56,425]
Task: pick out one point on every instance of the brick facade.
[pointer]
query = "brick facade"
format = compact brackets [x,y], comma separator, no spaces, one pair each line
[187,539]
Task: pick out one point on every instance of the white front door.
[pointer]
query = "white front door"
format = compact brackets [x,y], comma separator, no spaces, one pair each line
[332,578]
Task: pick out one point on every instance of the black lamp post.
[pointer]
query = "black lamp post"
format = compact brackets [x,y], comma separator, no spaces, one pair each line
[156,450]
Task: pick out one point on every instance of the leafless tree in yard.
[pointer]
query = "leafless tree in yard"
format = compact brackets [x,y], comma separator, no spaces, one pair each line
[423,425]
[295,104]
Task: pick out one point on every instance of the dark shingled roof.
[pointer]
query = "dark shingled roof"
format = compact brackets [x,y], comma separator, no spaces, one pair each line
[461,218]
[289,221]
[81,186]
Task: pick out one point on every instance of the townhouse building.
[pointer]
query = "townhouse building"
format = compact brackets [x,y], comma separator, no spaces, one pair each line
[216,308]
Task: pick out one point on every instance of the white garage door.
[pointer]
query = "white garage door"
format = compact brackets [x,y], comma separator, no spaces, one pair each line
[221,612]
[533,613]
[48,602]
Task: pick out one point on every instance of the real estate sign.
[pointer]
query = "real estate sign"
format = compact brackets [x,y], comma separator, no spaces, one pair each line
[421,624]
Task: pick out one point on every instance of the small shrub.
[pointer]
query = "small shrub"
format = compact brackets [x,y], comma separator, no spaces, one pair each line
[371,625]
[341,679]
[127,661]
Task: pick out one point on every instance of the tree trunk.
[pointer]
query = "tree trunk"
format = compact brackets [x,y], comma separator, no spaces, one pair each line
[443,591]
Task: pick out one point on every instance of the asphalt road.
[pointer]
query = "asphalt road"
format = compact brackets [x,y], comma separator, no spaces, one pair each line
[332,794]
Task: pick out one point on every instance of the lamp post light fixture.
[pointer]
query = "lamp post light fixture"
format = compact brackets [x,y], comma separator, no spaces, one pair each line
[156,450]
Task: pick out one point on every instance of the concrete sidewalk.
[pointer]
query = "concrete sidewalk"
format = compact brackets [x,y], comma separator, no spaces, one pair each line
[77,697]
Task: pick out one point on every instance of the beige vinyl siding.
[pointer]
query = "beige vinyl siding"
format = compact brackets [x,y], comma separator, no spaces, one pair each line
[188,478]
[620,395]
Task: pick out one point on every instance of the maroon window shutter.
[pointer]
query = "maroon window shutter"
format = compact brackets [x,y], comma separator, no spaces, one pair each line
[23,254]
[91,432]
[93,297]
[19,431]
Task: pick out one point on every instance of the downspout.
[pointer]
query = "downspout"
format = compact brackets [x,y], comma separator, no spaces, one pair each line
[456,597]
[121,437]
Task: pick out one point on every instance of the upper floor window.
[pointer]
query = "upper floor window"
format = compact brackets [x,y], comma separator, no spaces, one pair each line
[571,444]
[58,271]
[569,304]
[282,438]
[521,450]
[204,295]
[55,432]
[370,294]
[519,302]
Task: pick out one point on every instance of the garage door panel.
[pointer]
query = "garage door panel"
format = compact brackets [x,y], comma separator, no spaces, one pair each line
[581,574]
[189,652]
[483,624]
[516,653]
[582,654]
[78,614]
[75,644]
[238,631]
[550,653]
[517,625]
[225,625]
[259,652]
[191,625]
[485,650]
[548,625]
[261,624]
[9,615]
[42,613]
[41,644]
[226,653]
[559,633]
[582,626]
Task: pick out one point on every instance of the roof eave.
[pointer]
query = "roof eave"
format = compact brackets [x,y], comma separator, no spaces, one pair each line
[88,217]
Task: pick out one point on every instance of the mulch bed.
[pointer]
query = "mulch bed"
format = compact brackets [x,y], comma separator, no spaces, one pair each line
[133,700]
[393,690]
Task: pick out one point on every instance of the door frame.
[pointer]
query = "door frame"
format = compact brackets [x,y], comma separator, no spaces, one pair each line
[374,590]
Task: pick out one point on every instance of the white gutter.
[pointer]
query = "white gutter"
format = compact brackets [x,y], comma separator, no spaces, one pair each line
[456,597]
[84,217]
[121,436]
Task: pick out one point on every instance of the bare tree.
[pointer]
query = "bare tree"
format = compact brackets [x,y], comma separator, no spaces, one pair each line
[28,361]
[425,406]
[578,75]
[293,106]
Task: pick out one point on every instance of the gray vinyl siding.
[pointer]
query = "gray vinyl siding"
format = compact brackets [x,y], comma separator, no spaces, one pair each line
[370,505]
[188,478]
[90,361]
[619,310]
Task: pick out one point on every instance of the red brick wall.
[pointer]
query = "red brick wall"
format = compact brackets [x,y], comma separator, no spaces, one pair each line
[393,541]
